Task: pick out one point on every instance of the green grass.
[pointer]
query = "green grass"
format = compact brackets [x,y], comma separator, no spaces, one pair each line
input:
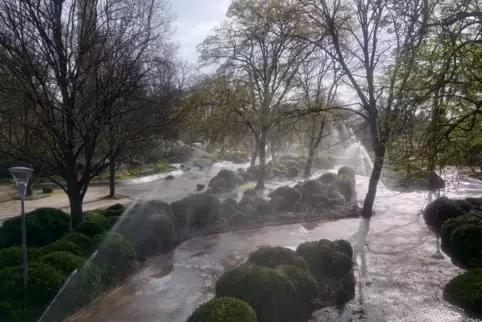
[6,181]
[144,170]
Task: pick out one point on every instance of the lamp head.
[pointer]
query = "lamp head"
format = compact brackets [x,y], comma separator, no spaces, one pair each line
[21,174]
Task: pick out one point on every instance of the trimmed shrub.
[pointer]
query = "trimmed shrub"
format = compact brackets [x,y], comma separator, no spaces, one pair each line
[117,206]
[316,199]
[278,203]
[292,172]
[310,187]
[452,223]
[10,257]
[115,257]
[301,207]
[346,187]
[82,241]
[443,208]
[47,190]
[64,262]
[328,178]
[264,289]
[61,245]
[263,207]
[249,210]
[197,211]
[466,245]
[90,228]
[272,257]
[229,208]
[113,213]
[218,185]
[325,259]
[95,216]
[225,180]
[224,309]
[44,226]
[302,300]
[465,291]
[43,283]
[238,219]
[347,171]
[345,247]
[291,196]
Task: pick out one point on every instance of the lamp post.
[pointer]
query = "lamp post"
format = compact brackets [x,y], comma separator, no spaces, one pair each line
[21,176]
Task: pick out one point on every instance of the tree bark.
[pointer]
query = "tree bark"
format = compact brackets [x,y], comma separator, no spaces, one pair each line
[262,164]
[273,153]
[112,179]
[255,153]
[367,209]
[309,163]
[75,202]
[29,190]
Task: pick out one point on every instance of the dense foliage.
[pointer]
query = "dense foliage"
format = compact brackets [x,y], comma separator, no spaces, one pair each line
[224,309]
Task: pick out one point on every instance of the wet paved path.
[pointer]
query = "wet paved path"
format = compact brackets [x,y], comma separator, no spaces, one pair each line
[398,279]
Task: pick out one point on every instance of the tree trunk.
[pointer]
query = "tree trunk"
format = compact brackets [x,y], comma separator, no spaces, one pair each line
[262,164]
[309,163]
[29,191]
[112,179]
[255,153]
[374,178]
[75,202]
[273,153]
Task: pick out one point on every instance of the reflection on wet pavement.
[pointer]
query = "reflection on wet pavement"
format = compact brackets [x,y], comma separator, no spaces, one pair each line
[398,279]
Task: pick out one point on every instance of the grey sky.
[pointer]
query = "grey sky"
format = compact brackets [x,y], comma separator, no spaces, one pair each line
[195,19]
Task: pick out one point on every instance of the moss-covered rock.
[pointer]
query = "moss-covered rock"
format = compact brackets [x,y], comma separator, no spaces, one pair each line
[224,309]
[327,178]
[44,226]
[264,289]
[465,291]
[466,245]
[272,257]
[292,172]
[441,209]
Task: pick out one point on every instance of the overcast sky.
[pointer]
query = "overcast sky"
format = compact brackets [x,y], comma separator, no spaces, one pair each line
[195,19]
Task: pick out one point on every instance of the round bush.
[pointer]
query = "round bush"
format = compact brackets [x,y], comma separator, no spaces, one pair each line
[347,171]
[278,203]
[44,226]
[263,207]
[117,206]
[82,241]
[346,187]
[304,293]
[325,259]
[197,211]
[292,172]
[443,208]
[10,257]
[345,247]
[272,257]
[113,213]
[301,207]
[310,187]
[264,289]
[247,177]
[91,226]
[315,199]
[229,207]
[328,178]
[225,180]
[43,283]
[224,309]
[95,216]
[115,257]
[465,291]
[290,195]
[466,245]
[47,190]
[218,185]
[238,219]
[452,223]
[61,245]
[64,262]
[249,210]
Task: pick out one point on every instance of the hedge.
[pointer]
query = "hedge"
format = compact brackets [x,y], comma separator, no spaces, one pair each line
[443,208]
[11,256]
[465,291]
[466,245]
[224,309]
[80,240]
[44,225]
[272,257]
[452,223]
[63,262]
[197,211]
[347,171]
[59,246]
[92,225]
[327,178]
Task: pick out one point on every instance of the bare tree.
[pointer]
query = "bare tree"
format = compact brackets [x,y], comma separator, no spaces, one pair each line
[374,41]
[74,61]
[255,44]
